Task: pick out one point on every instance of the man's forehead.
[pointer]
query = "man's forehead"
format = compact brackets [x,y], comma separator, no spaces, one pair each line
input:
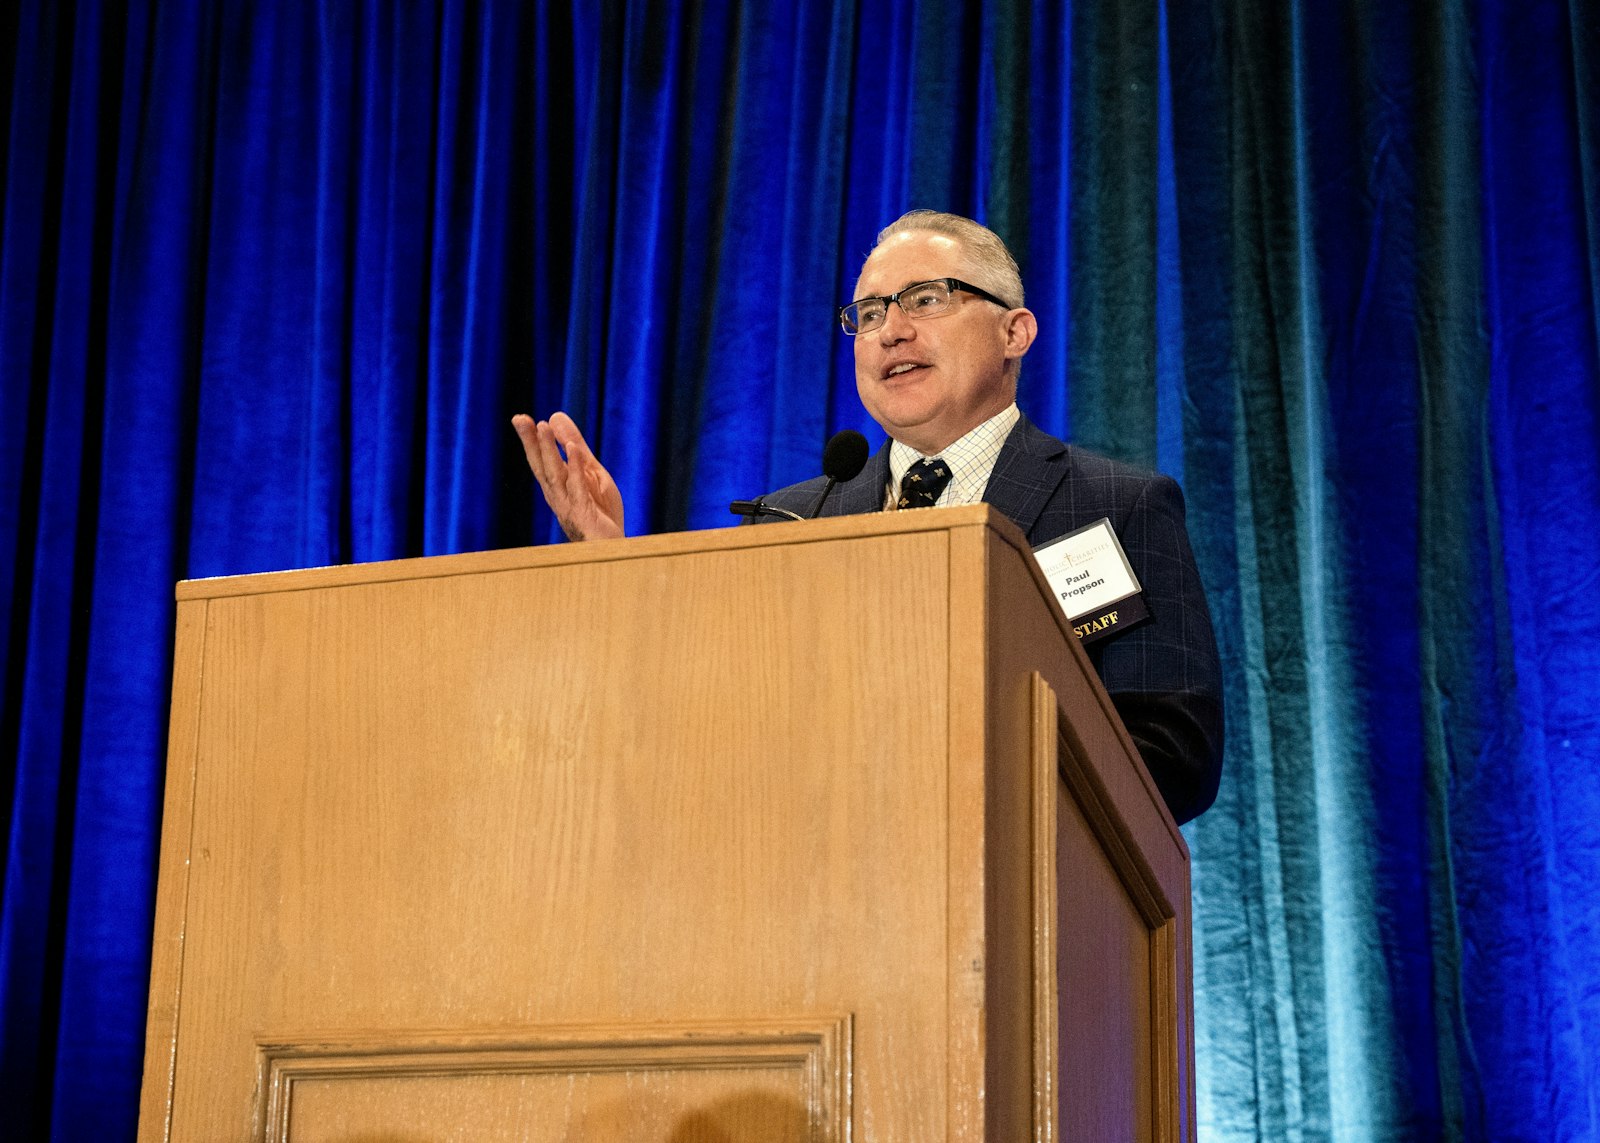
[907,257]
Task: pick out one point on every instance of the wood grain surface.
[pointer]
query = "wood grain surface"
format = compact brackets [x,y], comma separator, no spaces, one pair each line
[428,821]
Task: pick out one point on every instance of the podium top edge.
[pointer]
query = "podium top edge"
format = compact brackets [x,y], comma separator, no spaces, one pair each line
[604,551]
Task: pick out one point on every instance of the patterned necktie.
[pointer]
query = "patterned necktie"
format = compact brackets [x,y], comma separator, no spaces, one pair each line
[922,483]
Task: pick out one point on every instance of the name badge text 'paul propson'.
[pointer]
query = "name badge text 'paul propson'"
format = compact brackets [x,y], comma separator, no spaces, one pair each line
[1092,580]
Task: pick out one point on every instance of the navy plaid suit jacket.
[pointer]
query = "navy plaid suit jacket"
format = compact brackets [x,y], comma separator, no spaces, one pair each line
[1164,677]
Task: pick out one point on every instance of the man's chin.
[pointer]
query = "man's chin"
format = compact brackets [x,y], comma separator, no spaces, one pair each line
[903,428]
[925,435]
[905,409]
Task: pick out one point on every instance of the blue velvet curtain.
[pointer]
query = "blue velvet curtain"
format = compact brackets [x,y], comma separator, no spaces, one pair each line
[273,276]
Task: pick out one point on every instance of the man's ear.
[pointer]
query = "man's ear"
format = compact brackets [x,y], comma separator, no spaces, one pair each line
[1020,328]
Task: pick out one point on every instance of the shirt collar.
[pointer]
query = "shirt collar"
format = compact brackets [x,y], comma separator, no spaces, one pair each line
[971,459]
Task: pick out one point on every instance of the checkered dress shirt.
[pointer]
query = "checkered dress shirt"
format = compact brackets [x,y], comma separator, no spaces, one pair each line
[970,459]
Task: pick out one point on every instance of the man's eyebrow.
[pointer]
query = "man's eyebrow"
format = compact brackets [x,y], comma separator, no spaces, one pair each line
[906,285]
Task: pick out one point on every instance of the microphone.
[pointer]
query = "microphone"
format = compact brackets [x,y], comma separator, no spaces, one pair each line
[759,507]
[842,460]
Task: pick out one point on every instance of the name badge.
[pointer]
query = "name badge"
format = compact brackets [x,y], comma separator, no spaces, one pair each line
[1093,581]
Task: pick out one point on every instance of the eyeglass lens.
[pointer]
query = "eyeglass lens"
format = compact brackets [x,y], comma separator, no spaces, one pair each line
[918,300]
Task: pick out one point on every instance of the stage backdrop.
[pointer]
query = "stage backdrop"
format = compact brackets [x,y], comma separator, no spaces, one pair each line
[274,276]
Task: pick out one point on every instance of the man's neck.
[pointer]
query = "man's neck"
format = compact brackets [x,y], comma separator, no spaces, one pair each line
[971,457]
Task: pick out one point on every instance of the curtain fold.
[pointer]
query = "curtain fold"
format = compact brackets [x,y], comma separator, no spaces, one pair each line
[150,232]
[1526,840]
[273,277]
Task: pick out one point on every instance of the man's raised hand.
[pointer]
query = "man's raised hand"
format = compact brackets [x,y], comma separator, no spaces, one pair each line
[577,487]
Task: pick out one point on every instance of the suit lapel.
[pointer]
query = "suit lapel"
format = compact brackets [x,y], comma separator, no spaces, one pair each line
[1031,465]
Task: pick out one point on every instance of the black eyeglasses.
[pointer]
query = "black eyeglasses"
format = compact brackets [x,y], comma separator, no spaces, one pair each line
[923,299]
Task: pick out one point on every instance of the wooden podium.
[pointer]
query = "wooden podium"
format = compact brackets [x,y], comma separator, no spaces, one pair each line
[819,831]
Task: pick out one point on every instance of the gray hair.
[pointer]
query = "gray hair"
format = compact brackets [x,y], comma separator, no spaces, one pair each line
[991,264]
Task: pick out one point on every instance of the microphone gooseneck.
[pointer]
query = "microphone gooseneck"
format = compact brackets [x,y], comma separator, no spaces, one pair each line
[843,460]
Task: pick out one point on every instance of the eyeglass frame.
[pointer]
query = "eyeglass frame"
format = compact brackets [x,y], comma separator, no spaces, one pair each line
[951,284]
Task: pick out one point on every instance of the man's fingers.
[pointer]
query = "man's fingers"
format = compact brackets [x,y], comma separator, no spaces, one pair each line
[557,460]
[574,482]
[544,458]
[528,434]
[570,436]
[569,487]
[581,467]
[564,425]
[579,454]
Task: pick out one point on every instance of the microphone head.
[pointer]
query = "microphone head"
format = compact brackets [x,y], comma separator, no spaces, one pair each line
[845,456]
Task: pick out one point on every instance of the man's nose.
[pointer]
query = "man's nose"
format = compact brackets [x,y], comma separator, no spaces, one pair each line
[896,327]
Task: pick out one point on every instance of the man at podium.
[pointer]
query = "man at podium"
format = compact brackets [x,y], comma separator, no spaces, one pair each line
[939,332]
